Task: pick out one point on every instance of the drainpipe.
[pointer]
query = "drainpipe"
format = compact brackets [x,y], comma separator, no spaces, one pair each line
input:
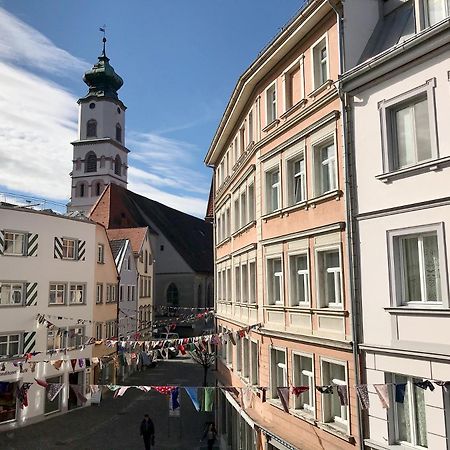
[349,187]
[117,326]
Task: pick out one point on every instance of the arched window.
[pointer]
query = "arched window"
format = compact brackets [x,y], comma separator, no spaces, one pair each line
[90,162]
[118,166]
[172,295]
[98,188]
[102,161]
[91,128]
[81,189]
[118,132]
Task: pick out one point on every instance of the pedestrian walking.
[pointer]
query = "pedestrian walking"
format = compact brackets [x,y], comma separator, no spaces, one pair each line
[148,432]
[210,435]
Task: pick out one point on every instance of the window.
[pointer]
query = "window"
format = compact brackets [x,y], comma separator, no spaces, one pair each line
[91,128]
[56,339]
[250,127]
[329,278]
[436,10]
[110,293]
[99,331]
[244,270]
[8,400]
[100,253]
[320,63]
[299,279]
[14,243]
[76,294]
[75,336]
[304,376]
[82,189]
[10,345]
[237,214]
[333,412]
[111,329]
[417,264]
[278,370]
[272,190]
[243,208]
[251,202]
[90,162]
[252,277]
[297,180]
[245,357]
[128,263]
[237,284]
[98,189]
[271,104]
[172,295]
[238,355]
[293,86]
[118,166]
[325,169]
[68,248]
[242,143]
[228,283]
[11,294]
[254,376]
[229,355]
[118,133]
[57,294]
[274,281]
[409,417]
[236,149]
[99,293]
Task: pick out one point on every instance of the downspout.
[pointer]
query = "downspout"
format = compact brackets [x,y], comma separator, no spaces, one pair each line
[349,210]
[117,325]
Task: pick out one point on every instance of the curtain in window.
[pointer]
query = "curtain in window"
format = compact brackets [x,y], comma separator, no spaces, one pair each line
[431,262]
[411,269]
[421,420]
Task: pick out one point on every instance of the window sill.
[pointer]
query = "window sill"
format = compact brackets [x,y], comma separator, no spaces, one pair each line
[336,431]
[336,194]
[374,445]
[244,228]
[292,208]
[12,306]
[271,125]
[307,417]
[428,166]
[321,88]
[14,255]
[276,404]
[293,108]
[223,242]
[277,213]
[433,310]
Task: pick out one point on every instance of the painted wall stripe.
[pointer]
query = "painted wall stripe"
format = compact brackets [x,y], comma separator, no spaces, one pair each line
[32,244]
[58,254]
[2,242]
[29,341]
[81,250]
[31,296]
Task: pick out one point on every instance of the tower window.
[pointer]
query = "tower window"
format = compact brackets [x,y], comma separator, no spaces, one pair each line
[118,110]
[118,166]
[91,128]
[82,190]
[118,133]
[98,189]
[91,105]
[90,162]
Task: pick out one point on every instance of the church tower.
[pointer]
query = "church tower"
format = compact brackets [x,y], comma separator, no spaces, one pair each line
[99,154]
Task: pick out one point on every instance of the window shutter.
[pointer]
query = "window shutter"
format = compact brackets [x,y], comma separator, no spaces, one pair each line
[2,242]
[81,250]
[58,252]
[31,294]
[32,245]
[29,341]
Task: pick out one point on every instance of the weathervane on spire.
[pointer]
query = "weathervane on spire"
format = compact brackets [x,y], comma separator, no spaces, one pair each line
[103,30]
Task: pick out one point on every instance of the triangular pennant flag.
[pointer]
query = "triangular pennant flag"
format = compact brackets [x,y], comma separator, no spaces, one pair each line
[73,363]
[57,364]
[81,362]
[42,383]
[119,392]
[383,394]
[247,397]
[22,394]
[342,394]
[77,390]
[283,393]
[231,338]
[144,388]
[208,400]
[363,395]
[166,390]
[193,395]
[53,390]
[298,390]
[174,403]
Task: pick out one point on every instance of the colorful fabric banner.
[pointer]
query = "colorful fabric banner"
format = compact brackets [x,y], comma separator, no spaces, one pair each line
[363,395]
[298,390]
[73,363]
[208,402]
[174,395]
[342,392]
[283,394]
[193,395]
[53,390]
[22,394]
[119,392]
[426,384]
[247,397]
[77,391]
[383,393]
[42,383]
[327,389]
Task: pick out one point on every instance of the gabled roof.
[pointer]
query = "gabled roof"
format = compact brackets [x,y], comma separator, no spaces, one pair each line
[119,208]
[136,236]
[119,250]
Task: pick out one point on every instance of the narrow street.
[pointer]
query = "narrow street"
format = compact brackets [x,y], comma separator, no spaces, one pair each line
[114,424]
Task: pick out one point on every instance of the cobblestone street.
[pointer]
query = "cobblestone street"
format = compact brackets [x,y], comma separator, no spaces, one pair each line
[114,424]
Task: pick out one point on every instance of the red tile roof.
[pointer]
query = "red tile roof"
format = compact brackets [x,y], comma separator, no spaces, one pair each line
[135,235]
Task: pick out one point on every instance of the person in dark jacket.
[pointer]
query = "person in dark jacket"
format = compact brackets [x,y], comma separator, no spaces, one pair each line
[148,432]
[210,435]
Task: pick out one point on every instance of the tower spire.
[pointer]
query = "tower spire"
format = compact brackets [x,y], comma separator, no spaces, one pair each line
[103,30]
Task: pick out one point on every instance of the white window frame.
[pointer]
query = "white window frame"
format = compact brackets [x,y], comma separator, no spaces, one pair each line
[237,283]
[272,104]
[324,302]
[287,77]
[74,287]
[254,372]
[386,107]
[245,358]
[306,279]
[293,176]
[99,331]
[99,293]
[273,392]
[270,187]
[244,283]
[65,248]
[296,377]
[426,22]
[327,141]
[269,280]
[12,290]
[58,289]
[100,253]
[396,285]
[251,127]
[15,234]
[316,83]
[326,402]
[252,293]
[19,341]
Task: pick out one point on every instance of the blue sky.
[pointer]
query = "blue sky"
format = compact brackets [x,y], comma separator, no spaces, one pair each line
[180,60]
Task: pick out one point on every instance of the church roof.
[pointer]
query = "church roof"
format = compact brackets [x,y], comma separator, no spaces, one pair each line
[119,208]
[102,79]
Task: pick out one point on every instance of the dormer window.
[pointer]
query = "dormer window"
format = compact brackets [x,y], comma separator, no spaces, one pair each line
[91,128]
[118,132]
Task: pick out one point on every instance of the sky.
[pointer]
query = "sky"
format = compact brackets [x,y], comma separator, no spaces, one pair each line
[180,61]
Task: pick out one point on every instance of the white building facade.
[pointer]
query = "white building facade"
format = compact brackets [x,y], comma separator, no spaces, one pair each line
[398,105]
[47,268]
